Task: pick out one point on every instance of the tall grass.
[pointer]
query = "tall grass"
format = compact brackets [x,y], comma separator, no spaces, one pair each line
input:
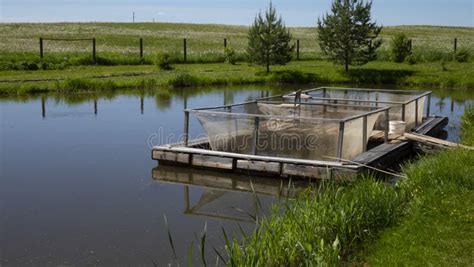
[320,226]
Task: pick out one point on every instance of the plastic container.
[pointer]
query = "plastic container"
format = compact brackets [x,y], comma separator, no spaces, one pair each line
[397,127]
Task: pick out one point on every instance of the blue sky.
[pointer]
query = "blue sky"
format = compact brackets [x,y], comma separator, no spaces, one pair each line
[241,12]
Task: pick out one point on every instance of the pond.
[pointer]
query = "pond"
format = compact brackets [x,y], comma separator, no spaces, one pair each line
[78,185]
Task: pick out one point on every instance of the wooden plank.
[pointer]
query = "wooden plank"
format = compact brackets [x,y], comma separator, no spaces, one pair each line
[261,166]
[384,154]
[212,162]
[425,139]
[306,171]
[432,126]
[198,151]
[170,156]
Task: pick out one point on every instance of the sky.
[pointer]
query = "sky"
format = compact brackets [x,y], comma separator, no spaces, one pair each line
[238,12]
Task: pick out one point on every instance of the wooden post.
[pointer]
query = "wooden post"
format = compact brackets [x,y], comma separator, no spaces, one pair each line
[41,47]
[184,49]
[141,47]
[95,107]
[298,49]
[94,51]
[340,140]
[141,104]
[225,43]
[455,45]
[186,128]
[410,44]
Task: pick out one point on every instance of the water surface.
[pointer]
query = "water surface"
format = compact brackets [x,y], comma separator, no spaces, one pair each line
[78,185]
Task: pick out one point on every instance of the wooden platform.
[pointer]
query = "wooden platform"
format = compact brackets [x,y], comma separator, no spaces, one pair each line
[198,155]
[398,148]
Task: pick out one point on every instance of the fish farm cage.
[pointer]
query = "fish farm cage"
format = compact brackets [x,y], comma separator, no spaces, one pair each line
[322,133]
[405,105]
[290,129]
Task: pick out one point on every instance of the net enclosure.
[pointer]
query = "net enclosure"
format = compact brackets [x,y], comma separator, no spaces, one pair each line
[290,129]
[404,105]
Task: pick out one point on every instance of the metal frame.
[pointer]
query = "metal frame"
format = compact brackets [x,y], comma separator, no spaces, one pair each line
[227,111]
[417,95]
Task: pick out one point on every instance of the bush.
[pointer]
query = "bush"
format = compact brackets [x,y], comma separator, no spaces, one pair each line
[462,55]
[183,80]
[230,57]
[164,61]
[400,47]
[410,60]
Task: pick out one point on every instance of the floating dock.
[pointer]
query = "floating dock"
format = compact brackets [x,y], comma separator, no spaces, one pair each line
[354,136]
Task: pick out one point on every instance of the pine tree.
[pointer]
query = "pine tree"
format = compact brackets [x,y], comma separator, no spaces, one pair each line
[269,40]
[348,36]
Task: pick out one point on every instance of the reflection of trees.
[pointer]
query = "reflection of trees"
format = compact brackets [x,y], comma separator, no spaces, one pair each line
[441,104]
[163,100]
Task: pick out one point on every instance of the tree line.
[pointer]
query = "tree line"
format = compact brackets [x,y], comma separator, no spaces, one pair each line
[347,36]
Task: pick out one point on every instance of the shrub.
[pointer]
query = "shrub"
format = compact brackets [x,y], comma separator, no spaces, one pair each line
[230,57]
[462,55]
[183,80]
[400,47]
[163,61]
[410,60]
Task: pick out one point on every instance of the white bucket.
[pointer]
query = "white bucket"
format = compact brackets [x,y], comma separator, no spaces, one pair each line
[397,127]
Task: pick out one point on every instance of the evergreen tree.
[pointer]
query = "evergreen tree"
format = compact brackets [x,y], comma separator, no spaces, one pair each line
[269,40]
[348,36]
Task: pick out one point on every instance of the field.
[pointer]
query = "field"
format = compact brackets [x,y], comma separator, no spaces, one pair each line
[205,43]
[68,66]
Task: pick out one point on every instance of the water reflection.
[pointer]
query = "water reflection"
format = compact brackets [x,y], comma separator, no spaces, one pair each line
[227,196]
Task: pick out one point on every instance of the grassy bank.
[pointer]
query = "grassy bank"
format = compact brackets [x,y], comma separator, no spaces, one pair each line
[430,211]
[439,227]
[98,78]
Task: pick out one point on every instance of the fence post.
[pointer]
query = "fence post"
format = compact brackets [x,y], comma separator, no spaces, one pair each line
[141,47]
[94,51]
[298,49]
[184,49]
[455,45]
[225,43]
[41,47]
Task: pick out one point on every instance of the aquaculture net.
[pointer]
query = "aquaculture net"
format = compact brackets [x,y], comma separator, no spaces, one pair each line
[395,100]
[281,129]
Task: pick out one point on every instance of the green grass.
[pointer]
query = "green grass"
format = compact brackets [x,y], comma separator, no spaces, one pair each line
[457,75]
[118,43]
[427,219]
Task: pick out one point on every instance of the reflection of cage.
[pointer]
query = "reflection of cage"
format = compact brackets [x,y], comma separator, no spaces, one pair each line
[226,196]
[405,105]
[297,129]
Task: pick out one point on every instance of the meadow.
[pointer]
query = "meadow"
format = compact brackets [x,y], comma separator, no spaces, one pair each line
[69,67]
[118,43]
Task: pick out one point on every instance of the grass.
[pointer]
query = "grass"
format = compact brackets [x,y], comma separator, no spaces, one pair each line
[457,75]
[425,219]
[118,43]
